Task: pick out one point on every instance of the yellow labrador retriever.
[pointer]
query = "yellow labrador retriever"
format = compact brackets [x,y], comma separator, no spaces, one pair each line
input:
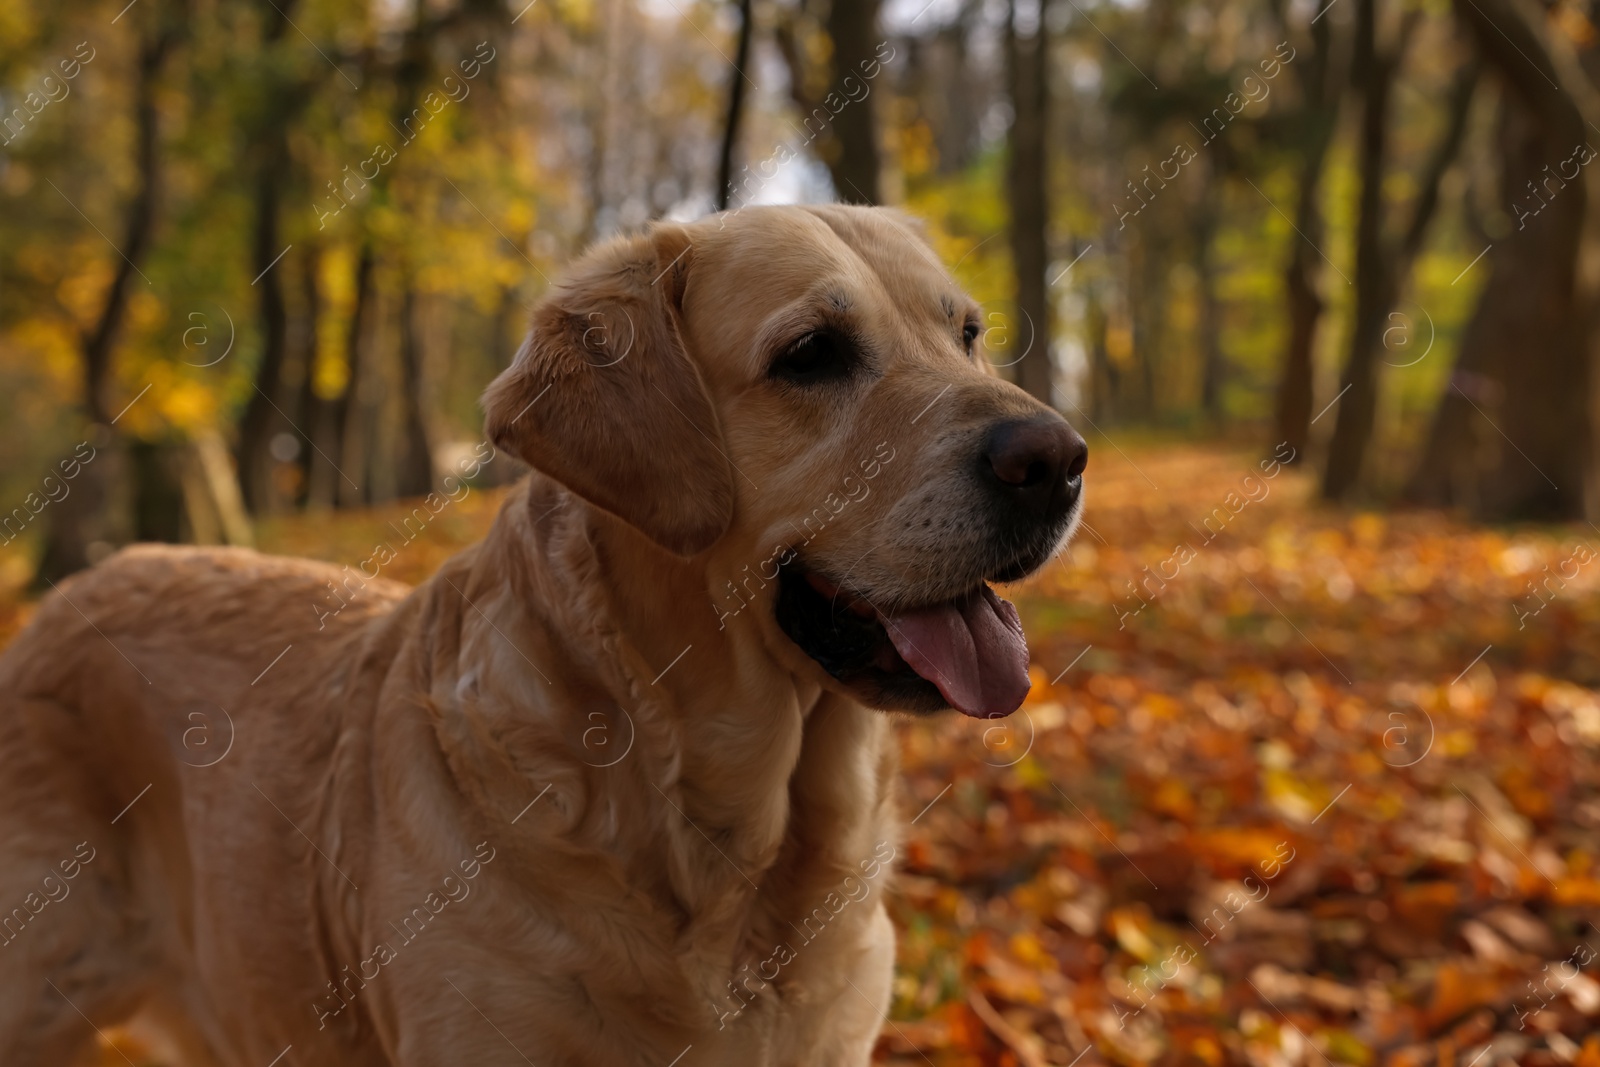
[608,789]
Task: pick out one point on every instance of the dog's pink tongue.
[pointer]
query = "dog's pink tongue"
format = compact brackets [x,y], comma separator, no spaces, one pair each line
[973,650]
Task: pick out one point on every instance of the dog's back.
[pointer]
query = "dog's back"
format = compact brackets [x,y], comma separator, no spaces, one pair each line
[121,706]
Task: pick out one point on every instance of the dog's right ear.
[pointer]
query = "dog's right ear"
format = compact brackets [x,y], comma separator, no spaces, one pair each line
[604,398]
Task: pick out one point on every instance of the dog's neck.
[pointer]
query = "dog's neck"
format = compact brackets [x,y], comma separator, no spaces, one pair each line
[752,788]
[736,720]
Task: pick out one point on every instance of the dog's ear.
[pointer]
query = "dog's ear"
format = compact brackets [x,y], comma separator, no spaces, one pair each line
[604,398]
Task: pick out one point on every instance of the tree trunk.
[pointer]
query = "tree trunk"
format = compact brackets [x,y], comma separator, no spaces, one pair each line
[950,82]
[1295,388]
[852,150]
[735,112]
[1146,303]
[1305,304]
[357,418]
[1511,437]
[412,459]
[96,516]
[156,473]
[1212,368]
[136,240]
[414,464]
[1104,377]
[1358,394]
[263,415]
[1028,178]
[1322,88]
[1382,268]
[263,418]
[218,484]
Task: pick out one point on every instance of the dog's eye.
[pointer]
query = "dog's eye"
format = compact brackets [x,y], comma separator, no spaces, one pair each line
[969,334]
[816,357]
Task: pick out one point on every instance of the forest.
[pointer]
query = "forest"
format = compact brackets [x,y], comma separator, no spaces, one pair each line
[261,257]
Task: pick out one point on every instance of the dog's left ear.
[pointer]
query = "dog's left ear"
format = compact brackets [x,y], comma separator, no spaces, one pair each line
[604,397]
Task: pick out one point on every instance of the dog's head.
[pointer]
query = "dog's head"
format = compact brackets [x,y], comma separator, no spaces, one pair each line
[797,399]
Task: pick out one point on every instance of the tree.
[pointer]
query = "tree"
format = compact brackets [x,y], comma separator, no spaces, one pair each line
[283,97]
[96,512]
[1382,267]
[855,164]
[1513,436]
[1028,184]
[1205,221]
[730,124]
[1321,90]
[844,124]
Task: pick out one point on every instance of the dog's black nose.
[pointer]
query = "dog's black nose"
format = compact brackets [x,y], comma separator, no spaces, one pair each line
[1036,463]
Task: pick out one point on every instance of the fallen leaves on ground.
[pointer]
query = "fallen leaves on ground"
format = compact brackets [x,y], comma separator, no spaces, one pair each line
[1295,785]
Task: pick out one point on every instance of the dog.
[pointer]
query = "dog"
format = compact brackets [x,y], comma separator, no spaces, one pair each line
[615,786]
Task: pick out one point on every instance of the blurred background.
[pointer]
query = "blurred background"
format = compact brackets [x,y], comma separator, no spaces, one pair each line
[1308,773]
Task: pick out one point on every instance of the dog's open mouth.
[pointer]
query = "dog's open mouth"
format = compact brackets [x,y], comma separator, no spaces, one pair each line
[968,653]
